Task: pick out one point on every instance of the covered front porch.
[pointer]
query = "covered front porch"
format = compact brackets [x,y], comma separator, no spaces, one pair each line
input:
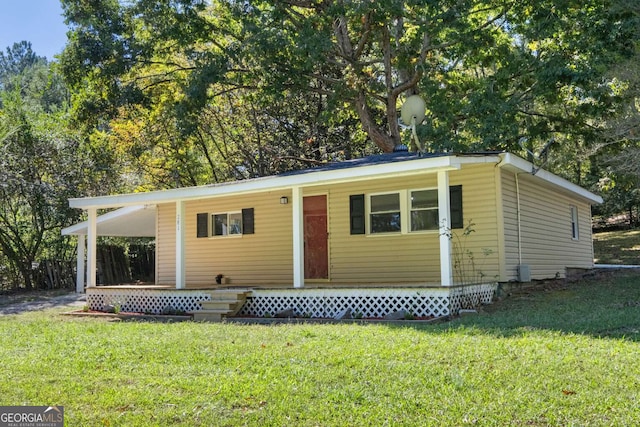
[185,264]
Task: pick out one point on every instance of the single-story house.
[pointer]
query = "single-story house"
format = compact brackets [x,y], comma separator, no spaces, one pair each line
[371,235]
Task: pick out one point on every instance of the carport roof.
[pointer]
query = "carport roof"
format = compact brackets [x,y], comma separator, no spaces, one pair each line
[130,221]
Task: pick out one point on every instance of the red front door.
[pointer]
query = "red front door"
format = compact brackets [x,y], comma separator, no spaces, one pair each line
[316,248]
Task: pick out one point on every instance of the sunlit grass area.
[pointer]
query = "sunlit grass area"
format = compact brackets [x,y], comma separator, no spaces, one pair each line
[617,247]
[564,355]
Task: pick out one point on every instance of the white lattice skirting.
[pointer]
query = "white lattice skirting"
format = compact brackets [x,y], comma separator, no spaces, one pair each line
[315,303]
[147,300]
[369,302]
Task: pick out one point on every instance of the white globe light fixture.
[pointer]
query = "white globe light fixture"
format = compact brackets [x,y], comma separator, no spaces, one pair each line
[412,113]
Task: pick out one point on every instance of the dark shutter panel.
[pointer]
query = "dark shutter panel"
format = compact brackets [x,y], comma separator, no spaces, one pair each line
[356,213]
[247,221]
[203,225]
[455,198]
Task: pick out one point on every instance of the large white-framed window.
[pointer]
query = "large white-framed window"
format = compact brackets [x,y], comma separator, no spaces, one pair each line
[402,211]
[405,211]
[575,232]
[226,224]
[423,206]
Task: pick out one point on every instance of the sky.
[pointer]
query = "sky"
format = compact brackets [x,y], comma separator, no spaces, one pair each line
[37,21]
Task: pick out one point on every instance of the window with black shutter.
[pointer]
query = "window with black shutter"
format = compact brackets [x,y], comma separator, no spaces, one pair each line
[421,208]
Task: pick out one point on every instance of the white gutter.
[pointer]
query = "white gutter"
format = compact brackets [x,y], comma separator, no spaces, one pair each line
[522,165]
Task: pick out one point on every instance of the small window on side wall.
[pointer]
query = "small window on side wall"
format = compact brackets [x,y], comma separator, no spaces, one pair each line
[575,233]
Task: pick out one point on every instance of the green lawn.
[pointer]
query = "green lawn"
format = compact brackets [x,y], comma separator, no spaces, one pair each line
[565,355]
[617,247]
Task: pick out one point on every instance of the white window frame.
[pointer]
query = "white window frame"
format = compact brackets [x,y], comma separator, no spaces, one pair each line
[228,215]
[369,223]
[405,212]
[410,209]
[575,228]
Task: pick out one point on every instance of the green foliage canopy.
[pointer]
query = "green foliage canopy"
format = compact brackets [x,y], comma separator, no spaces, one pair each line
[42,164]
[492,72]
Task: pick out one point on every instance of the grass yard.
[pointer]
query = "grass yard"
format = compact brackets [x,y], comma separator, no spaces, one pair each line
[617,247]
[563,355]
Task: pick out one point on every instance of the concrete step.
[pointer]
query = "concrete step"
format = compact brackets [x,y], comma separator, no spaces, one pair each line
[226,305]
[224,294]
[209,315]
[224,302]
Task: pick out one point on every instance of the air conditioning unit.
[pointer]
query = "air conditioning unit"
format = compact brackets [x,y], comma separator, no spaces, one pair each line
[524,274]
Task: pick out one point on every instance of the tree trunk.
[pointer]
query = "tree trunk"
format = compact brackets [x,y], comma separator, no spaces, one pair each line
[26,273]
[382,140]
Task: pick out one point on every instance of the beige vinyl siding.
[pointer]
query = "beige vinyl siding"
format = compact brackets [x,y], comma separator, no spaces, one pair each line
[479,205]
[166,244]
[547,245]
[260,259]
[266,258]
[412,257]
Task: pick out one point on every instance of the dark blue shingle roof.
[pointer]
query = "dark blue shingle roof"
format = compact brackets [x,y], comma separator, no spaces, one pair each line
[378,159]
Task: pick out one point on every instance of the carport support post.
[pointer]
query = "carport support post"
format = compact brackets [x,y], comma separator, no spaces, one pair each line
[80,272]
[92,246]
[180,224]
[444,207]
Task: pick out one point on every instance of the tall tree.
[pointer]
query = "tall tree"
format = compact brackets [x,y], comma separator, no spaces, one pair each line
[42,164]
[492,72]
[15,60]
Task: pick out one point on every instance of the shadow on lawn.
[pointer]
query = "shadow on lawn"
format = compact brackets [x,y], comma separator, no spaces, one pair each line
[18,304]
[606,304]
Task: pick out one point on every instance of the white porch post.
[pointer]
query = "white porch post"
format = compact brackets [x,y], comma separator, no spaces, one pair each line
[298,238]
[180,267]
[92,246]
[444,207]
[80,273]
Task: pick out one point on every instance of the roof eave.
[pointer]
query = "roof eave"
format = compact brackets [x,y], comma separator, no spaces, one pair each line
[521,165]
[122,214]
[271,183]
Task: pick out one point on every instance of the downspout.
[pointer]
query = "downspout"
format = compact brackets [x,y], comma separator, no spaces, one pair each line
[519,222]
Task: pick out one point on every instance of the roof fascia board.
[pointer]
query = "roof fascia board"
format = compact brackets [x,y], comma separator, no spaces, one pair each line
[522,165]
[312,178]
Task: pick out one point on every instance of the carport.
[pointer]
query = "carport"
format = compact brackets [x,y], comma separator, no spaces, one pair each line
[129,221]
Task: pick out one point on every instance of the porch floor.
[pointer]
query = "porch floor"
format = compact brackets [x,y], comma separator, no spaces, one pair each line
[313,285]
